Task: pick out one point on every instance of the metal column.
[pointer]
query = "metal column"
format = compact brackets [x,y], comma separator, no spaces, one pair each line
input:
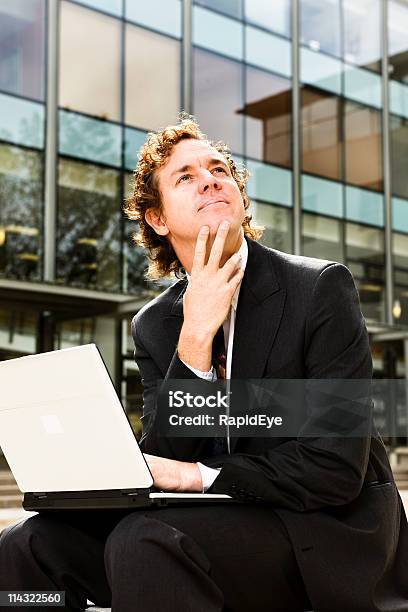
[51,141]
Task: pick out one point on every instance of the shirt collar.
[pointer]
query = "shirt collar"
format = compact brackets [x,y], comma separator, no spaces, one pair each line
[243,251]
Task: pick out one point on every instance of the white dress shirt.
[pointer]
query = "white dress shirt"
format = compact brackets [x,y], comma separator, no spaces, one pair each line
[208,474]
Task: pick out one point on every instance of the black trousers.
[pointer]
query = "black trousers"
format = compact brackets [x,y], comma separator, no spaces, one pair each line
[207,558]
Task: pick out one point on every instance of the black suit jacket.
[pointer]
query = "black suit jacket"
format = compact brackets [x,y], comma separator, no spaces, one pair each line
[297,318]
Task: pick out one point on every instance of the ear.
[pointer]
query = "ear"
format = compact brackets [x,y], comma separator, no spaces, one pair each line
[155,219]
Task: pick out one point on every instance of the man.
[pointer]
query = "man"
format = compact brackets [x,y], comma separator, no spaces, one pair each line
[322,525]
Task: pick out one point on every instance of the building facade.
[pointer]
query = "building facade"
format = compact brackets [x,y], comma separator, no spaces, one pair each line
[311,95]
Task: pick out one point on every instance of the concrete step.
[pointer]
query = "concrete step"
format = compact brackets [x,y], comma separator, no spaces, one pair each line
[11,501]
[9,489]
[6,476]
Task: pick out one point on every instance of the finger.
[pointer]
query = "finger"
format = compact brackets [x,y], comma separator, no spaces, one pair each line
[218,245]
[235,279]
[200,249]
[231,265]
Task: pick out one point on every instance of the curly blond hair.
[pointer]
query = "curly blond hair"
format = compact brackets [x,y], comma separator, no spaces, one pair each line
[146,194]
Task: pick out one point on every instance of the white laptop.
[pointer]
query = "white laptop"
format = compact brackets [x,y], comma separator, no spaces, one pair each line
[67,439]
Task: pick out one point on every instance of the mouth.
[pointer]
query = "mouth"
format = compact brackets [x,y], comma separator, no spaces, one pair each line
[209,202]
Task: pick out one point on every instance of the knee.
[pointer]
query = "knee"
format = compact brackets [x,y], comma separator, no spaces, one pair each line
[14,535]
[19,536]
[137,532]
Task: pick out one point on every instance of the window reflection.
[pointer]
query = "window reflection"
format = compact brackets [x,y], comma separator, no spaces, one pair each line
[398,40]
[88,234]
[217,86]
[321,133]
[89,47]
[89,138]
[21,195]
[152,79]
[363,146]
[22,121]
[229,7]
[366,260]
[277,222]
[18,333]
[400,252]
[217,33]
[322,237]
[161,15]
[399,156]
[360,18]
[320,25]
[22,47]
[272,15]
[268,117]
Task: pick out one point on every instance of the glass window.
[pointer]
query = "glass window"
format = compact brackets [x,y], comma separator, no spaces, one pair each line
[217,33]
[398,98]
[359,18]
[400,253]
[268,117]
[268,51]
[109,6]
[272,15]
[22,47]
[398,57]
[363,156]
[322,196]
[91,139]
[277,222]
[398,40]
[88,226]
[134,139]
[321,140]
[400,215]
[322,237]
[320,25]
[18,333]
[399,156]
[363,86]
[21,213]
[89,62]
[152,69]
[135,263]
[269,183]
[161,15]
[217,90]
[364,206]
[365,258]
[21,121]
[229,7]
[320,71]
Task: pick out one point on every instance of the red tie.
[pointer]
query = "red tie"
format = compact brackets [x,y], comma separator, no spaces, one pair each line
[218,354]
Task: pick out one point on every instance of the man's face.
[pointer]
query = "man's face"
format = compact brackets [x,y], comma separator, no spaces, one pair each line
[197,189]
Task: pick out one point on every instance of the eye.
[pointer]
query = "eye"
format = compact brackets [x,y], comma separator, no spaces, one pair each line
[182,177]
[220,168]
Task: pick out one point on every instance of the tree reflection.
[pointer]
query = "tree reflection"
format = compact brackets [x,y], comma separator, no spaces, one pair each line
[21,194]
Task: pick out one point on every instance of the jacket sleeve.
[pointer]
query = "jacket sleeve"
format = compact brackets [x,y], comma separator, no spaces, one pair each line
[312,472]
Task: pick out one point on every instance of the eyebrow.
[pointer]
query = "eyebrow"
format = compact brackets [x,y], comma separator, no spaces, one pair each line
[210,162]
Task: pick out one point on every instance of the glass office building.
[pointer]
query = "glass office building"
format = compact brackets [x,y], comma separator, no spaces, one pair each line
[312,95]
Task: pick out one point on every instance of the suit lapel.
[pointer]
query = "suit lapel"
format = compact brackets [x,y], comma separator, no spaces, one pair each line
[260,307]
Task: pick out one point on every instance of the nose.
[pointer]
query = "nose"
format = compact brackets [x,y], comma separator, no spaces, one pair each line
[208,181]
